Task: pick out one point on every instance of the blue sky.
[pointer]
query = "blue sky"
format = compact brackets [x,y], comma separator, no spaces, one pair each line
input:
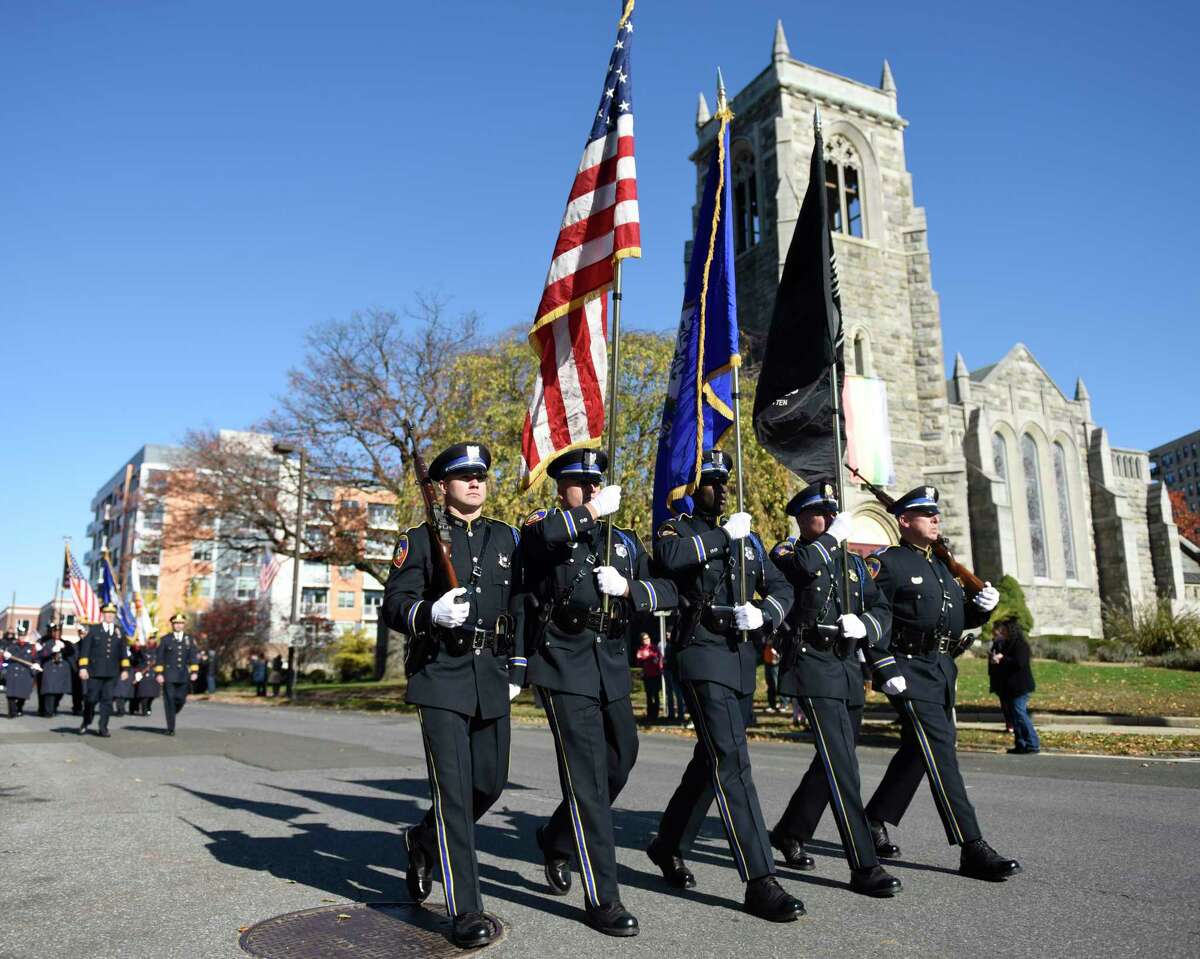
[187,186]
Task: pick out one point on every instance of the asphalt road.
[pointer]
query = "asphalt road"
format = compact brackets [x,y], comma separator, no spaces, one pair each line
[147,846]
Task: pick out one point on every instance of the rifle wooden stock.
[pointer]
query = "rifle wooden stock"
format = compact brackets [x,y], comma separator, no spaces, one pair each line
[439,529]
[972,584]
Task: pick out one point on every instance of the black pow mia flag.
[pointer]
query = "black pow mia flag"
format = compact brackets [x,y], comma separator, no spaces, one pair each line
[793,406]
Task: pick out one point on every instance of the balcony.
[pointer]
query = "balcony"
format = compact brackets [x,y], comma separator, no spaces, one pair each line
[320,610]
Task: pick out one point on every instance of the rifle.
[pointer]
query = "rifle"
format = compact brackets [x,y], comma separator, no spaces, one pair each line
[972,584]
[439,529]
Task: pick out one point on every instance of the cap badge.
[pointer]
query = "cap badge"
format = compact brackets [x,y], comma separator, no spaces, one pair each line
[930,492]
[472,452]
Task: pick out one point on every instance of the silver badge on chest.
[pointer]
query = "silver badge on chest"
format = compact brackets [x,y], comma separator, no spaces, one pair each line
[503,560]
[621,550]
[749,552]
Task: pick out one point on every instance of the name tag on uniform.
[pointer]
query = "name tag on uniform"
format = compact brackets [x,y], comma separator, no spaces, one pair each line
[917,580]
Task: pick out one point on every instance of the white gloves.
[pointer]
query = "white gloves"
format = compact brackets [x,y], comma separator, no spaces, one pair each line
[895,686]
[987,598]
[738,526]
[7,654]
[607,501]
[611,582]
[839,529]
[852,626]
[861,656]
[513,692]
[446,612]
[36,667]
[137,677]
[57,647]
[747,616]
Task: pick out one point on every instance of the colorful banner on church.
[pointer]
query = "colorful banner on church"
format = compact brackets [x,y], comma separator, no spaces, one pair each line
[868,438]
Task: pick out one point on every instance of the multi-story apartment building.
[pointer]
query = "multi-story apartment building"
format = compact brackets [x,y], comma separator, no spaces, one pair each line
[1176,464]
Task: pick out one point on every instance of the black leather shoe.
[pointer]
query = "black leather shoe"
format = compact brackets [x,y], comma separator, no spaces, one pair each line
[884,847]
[83,730]
[612,919]
[981,861]
[104,734]
[419,876]
[874,881]
[558,869]
[471,930]
[766,899]
[170,732]
[674,869]
[793,851]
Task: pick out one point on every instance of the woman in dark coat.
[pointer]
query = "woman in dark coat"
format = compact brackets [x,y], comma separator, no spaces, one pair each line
[1010,676]
[57,658]
[18,677]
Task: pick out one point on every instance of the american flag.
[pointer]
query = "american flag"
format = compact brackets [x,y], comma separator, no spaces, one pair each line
[87,605]
[268,570]
[600,227]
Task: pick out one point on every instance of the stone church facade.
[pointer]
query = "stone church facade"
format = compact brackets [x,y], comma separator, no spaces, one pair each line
[1030,485]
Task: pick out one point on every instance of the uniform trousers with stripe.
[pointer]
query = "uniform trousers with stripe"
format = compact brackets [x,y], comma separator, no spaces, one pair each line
[596,745]
[832,779]
[467,759]
[98,689]
[927,748]
[174,699]
[720,770]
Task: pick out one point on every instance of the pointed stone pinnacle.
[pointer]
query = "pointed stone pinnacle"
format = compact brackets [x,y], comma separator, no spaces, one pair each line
[887,83]
[780,49]
[1081,391]
[721,103]
[960,366]
[702,114]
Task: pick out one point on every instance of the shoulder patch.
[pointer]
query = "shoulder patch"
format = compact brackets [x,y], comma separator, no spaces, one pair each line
[401,553]
[872,563]
[535,517]
[667,529]
[786,548]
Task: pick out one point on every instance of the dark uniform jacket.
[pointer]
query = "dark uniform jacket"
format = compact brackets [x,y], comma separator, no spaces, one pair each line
[143,662]
[560,550]
[476,681]
[56,668]
[176,659]
[814,570]
[1013,675]
[926,600]
[18,678]
[103,655]
[699,556]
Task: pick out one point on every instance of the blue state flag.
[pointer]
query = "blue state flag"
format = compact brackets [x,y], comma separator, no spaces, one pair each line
[110,593]
[698,410]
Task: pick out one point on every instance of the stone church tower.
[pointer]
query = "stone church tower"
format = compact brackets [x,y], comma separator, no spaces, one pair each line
[1030,486]
[890,309]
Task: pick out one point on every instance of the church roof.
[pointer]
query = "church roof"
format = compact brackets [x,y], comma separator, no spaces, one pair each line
[1019,352]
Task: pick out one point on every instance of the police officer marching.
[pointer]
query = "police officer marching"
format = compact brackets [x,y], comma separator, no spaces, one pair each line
[103,659]
[20,665]
[579,662]
[465,663]
[929,613]
[176,662]
[718,663]
[56,657]
[826,638]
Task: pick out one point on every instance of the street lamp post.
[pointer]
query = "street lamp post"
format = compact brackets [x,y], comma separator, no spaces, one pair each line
[286,449]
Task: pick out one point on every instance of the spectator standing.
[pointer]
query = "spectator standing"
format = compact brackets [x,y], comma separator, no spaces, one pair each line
[210,673]
[1010,676]
[676,707]
[651,660]
[770,658]
[276,675]
[258,674]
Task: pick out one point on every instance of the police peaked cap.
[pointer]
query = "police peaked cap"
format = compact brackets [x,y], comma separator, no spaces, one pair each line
[716,463]
[923,498]
[460,458]
[579,464]
[820,494]
[108,608]
[178,618]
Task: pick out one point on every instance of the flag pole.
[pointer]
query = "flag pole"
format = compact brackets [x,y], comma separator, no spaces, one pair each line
[835,403]
[613,406]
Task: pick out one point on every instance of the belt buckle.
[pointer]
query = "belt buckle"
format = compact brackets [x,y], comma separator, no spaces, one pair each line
[945,644]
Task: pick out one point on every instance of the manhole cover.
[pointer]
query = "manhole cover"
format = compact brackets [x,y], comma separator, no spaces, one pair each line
[372,930]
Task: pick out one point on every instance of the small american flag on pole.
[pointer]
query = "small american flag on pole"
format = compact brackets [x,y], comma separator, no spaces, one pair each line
[87,604]
[268,570]
[600,227]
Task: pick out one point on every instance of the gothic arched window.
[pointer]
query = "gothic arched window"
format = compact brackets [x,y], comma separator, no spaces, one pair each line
[1033,503]
[1064,510]
[1000,465]
[843,186]
[746,222]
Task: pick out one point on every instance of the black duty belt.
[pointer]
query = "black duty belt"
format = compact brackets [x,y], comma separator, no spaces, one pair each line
[463,640]
[576,619]
[826,637]
[916,642]
[719,619]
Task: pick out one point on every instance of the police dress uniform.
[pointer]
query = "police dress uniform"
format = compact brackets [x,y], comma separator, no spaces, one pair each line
[18,678]
[820,668]
[458,679]
[176,661]
[145,689]
[104,653]
[57,665]
[929,614]
[718,668]
[123,690]
[579,663]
